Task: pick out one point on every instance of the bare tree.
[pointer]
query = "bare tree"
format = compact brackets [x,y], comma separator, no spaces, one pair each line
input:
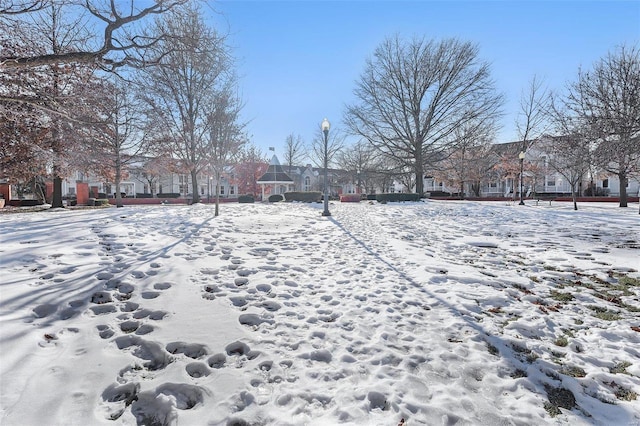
[226,136]
[569,156]
[413,95]
[56,92]
[118,137]
[468,160]
[182,91]
[606,100]
[361,162]
[294,151]
[335,144]
[531,121]
[120,38]
[251,164]
[152,169]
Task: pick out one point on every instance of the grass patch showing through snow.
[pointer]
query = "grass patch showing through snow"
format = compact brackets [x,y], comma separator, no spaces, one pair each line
[561,297]
[604,314]
[558,398]
[620,368]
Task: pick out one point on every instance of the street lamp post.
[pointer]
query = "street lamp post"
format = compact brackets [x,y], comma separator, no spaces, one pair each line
[521,157]
[325,129]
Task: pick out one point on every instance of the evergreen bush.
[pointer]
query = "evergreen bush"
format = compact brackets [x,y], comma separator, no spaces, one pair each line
[274,198]
[397,197]
[305,197]
[245,199]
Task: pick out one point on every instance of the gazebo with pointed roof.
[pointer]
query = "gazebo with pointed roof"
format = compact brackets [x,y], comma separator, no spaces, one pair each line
[275,178]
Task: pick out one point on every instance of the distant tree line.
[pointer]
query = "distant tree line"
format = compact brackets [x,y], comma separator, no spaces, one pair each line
[89,86]
[426,107]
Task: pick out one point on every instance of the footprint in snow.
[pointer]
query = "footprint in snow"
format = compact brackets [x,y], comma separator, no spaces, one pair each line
[155,356]
[191,350]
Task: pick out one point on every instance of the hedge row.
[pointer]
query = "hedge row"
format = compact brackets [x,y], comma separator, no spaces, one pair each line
[396,197]
[25,203]
[305,197]
[274,198]
[246,199]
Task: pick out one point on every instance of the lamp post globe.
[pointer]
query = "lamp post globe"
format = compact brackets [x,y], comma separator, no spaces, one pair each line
[325,129]
[521,157]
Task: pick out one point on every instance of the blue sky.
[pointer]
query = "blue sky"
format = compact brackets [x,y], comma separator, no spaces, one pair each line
[298,60]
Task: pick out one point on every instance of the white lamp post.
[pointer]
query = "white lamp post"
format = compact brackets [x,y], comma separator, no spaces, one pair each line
[325,129]
[521,157]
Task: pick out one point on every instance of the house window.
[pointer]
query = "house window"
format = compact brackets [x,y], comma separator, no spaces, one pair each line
[493,184]
[307,183]
[551,182]
[232,190]
[221,190]
[605,183]
[72,191]
[202,190]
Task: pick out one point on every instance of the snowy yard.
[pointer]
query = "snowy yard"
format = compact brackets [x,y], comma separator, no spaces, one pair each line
[440,313]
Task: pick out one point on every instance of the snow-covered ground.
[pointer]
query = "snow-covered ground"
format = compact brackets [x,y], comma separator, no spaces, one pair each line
[440,313]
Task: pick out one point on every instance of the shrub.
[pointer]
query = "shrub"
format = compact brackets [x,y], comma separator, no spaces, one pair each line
[30,203]
[245,199]
[274,198]
[169,195]
[140,195]
[350,198]
[102,202]
[305,197]
[396,197]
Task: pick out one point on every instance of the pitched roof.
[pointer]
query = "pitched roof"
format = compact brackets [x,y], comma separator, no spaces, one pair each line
[275,173]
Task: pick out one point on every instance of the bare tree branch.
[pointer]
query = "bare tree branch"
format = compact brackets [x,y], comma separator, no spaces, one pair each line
[118,44]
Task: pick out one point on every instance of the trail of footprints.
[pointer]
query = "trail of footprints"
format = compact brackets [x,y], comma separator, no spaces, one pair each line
[303,318]
[273,299]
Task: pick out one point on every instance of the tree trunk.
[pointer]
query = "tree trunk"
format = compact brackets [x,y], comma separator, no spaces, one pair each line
[57,191]
[623,189]
[419,179]
[118,192]
[217,211]
[194,183]
[574,196]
